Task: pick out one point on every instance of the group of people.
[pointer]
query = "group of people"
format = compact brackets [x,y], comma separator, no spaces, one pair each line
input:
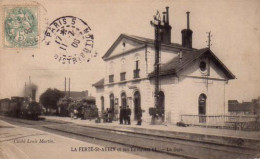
[124,116]
[108,115]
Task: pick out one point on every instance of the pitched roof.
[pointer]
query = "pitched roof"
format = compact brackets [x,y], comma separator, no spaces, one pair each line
[141,40]
[150,41]
[233,102]
[77,95]
[100,83]
[174,65]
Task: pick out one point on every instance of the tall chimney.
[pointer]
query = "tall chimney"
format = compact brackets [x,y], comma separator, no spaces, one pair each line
[188,20]
[166,31]
[167,14]
[65,85]
[187,34]
[69,87]
[164,20]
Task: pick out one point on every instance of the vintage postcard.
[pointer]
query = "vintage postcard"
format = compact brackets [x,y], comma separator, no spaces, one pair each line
[129,79]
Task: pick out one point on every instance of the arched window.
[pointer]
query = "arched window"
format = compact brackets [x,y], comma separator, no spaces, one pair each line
[202,108]
[123,70]
[161,105]
[137,67]
[123,100]
[112,102]
[137,105]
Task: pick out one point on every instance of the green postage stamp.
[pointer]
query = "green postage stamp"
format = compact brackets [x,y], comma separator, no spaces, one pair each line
[20,27]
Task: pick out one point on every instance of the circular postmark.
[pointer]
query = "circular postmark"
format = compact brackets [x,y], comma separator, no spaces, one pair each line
[71,38]
[21,27]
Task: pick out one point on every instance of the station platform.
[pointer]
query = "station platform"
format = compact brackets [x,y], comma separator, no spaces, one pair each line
[18,142]
[228,137]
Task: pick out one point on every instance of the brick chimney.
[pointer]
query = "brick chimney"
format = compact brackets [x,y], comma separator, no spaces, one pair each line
[187,34]
[166,30]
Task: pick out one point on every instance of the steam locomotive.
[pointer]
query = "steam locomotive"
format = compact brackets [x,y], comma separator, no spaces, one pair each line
[20,107]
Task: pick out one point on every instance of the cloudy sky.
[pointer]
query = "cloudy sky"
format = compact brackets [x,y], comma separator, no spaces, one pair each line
[234,24]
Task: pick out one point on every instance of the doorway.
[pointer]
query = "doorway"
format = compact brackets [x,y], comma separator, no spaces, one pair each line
[161,105]
[123,100]
[112,102]
[202,108]
[137,104]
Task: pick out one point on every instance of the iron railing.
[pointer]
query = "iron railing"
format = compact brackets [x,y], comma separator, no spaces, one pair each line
[224,121]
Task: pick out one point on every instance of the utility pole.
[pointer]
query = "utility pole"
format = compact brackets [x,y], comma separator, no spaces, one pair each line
[157,43]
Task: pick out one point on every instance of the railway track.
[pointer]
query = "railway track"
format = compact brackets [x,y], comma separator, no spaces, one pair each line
[167,145]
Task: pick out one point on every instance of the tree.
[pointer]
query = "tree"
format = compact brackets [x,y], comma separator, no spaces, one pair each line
[50,98]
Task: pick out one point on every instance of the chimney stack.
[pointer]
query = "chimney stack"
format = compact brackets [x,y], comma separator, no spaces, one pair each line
[188,20]
[187,34]
[167,15]
[166,30]
[69,87]
[65,86]
[164,20]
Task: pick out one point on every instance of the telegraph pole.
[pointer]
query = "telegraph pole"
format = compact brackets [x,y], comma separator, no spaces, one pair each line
[157,43]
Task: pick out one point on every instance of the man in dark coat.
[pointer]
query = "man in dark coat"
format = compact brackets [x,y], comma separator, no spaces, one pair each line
[110,115]
[121,115]
[139,116]
[124,112]
[128,115]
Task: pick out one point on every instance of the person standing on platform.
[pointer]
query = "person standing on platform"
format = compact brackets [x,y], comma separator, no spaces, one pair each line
[128,115]
[106,115]
[121,115]
[124,112]
[110,115]
[139,117]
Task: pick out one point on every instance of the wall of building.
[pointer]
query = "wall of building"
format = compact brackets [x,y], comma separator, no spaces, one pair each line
[165,56]
[193,82]
[126,64]
[99,94]
[181,92]
[129,88]
[124,45]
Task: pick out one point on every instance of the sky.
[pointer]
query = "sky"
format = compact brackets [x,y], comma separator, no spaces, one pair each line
[234,24]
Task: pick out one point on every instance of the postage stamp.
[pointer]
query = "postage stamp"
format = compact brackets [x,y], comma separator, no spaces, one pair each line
[21,27]
[71,38]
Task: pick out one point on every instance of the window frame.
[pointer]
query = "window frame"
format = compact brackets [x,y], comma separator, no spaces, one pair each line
[122,76]
[111,78]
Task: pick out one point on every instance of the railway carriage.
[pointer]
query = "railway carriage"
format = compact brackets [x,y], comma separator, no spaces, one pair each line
[20,107]
[4,105]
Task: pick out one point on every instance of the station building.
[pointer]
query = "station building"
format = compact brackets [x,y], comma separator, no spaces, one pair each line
[192,81]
